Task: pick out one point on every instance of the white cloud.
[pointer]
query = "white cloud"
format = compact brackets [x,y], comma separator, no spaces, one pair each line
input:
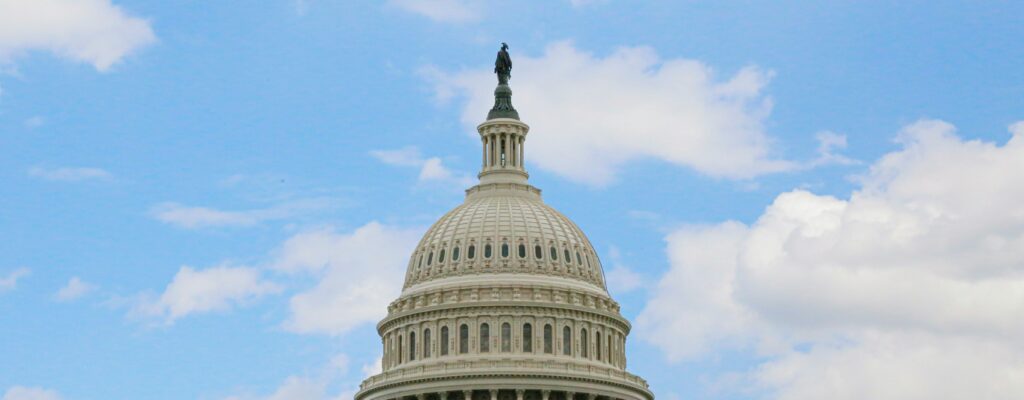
[195,291]
[431,169]
[74,289]
[30,393]
[591,115]
[828,143]
[358,273]
[35,122]
[442,10]
[623,280]
[10,281]
[90,31]
[193,217]
[912,288]
[70,174]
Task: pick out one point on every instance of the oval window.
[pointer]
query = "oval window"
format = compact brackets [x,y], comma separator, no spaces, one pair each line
[554,254]
[455,254]
[537,252]
[440,256]
[471,252]
[578,259]
[487,250]
[430,258]
[565,253]
[522,250]
[504,250]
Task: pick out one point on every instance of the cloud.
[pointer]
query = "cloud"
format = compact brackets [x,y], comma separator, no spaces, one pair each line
[442,10]
[431,169]
[911,288]
[358,274]
[195,291]
[74,289]
[828,143]
[34,122]
[10,281]
[96,32]
[591,115]
[193,217]
[30,393]
[70,174]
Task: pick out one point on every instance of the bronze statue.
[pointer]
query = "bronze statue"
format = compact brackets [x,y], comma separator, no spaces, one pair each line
[503,65]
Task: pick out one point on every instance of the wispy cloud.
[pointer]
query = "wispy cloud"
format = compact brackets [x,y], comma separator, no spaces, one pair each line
[30,393]
[196,291]
[442,10]
[10,281]
[70,174]
[431,169]
[74,289]
[194,217]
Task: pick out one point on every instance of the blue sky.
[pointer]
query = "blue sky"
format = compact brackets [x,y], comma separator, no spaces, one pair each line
[791,200]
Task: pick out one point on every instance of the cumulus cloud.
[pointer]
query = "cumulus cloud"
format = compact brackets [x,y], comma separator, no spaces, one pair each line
[96,32]
[196,217]
[431,169]
[30,393]
[358,274]
[442,10]
[591,115]
[10,281]
[194,291]
[70,174]
[911,288]
[74,289]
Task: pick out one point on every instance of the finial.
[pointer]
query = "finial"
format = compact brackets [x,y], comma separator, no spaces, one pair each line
[503,94]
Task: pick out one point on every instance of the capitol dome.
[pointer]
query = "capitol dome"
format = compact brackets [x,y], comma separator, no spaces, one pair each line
[504,297]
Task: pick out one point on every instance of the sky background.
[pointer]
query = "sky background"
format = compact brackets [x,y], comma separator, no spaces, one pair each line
[791,200]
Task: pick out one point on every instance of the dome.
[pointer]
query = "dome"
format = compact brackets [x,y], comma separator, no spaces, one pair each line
[502,234]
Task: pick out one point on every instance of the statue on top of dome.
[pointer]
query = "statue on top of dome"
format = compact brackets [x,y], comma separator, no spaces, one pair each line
[503,65]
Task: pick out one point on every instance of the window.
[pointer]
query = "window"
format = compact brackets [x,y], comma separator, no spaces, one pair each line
[609,348]
[430,258]
[400,349]
[547,339]
[504,250]
[522,250]
[506,337]
[389,351]
[567,341]
[527,338]
[455,254]
[597,349]
[554,254]
[584,344]
[564,253]
[412,346]
[485,338]
[463,339]
[487,250]
[426,343]
[578,259]
[444,341]
[471,252]
[537,252]
[421,261]
[440,256]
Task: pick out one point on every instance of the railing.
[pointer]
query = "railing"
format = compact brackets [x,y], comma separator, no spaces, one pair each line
[513,367]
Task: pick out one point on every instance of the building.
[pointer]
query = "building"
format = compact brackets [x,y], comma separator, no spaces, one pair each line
[504,297]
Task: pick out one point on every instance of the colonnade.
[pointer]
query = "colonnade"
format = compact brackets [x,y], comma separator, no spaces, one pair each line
[507,394]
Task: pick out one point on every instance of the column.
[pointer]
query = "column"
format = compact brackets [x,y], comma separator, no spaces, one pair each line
[494,151]
[483,158]
[467,395]
[494,394]
[520,393]
[570,395]
[544,394]
[442,395]
[591,396]
[522,143]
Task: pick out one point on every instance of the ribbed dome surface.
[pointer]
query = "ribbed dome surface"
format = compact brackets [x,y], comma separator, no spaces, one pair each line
[504,234]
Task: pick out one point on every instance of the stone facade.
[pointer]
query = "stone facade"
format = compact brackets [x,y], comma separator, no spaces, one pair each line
[504,298]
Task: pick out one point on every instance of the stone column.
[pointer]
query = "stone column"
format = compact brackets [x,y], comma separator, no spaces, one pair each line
[570,395]
[442,395]
[483,158]
[422,396]
[522,144]
[544,394]
[519,394]
[467,395]
[591,396]
[494,394]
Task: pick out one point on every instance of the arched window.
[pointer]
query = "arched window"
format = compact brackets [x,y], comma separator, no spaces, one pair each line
[430,258]
[421,261]
[548,347]
[400,355]
[504,250]
[522,250]
[444,341]
[426,343]
[568,259]
[440,256]
[597,348]
[567,341]
[487,250]
[527,338]
[412,346]
[554,254]
[389,352]
[471,252]
[578,259]
[506,337]
[455,254]
[485,338]
[537,252]
[464,339]
[584,344]
[609,348]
